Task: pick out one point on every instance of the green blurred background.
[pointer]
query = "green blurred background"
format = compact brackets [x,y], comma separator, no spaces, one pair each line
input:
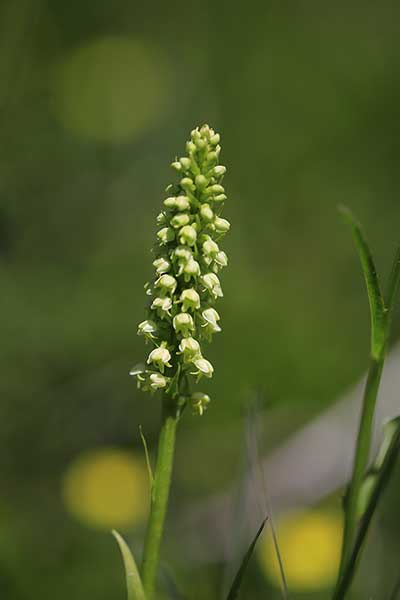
[96,99]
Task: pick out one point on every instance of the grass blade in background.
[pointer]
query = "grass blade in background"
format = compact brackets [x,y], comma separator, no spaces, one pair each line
[379,336]
[237,582]
[387,457]
[133,582]
[375,297]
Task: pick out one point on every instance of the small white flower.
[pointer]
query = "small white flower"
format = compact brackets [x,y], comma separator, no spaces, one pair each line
[167,284]
[180,220]
[162,306]
[183,323]
[160,357]
[211,318]
[161,219]
[204,367]
[210,248]
[190,300]
[221,259]
[212,285]
[190,348]
[190,269]
[219,170]
[165,235]
[161,265]
[147,328]
[182,203]
[199,402]
[182,254]
[157,381]
[188,235]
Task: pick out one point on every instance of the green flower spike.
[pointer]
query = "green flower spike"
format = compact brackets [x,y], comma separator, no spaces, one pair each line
[187,259]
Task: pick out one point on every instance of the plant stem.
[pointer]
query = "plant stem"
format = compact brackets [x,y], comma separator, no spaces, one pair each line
[159,494]
[361,456]
[384,475]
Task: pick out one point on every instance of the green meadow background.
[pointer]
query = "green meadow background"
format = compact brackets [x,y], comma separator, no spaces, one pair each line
[96,99]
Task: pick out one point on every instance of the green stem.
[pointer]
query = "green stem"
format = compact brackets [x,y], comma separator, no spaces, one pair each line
[384,476]
[361,457]
[159,495]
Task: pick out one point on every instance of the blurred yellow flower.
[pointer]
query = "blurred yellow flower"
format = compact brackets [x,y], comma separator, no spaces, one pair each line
[112,88]
[107,488]
[310,544]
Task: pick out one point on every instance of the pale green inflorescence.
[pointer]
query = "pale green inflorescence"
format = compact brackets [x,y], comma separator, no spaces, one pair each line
[187,263]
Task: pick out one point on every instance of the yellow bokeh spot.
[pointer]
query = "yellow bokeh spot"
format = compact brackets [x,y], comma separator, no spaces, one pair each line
[310,544]
[111,89]
[107,488]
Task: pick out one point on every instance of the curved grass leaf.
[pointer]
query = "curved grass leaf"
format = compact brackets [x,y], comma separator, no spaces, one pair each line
[376,301]
[237,582]
[133,582]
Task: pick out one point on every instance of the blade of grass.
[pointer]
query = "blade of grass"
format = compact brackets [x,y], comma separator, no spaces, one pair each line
[382,479]
[253,446]
[133,582]
[148,463]
[393,285]
[237,582]
[378,345]
[376,301]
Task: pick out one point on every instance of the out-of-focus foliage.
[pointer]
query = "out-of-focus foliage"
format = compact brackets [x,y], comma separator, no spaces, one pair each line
[95,99]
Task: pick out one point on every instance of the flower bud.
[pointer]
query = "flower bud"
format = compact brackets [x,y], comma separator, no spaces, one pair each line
[201,182]
[220,198]
[160,357]
[180,220]
[212,158]
[176,166]
[167,284]
[183,323]
[188,235]
[170,202]
[185,162]
[212,284]
[214,140]
[182,254]
[219,170]
[187,184]
[161,265]
[182,203]
[190,300]
[190,147]
[206,212]
[165,235]
[221,225]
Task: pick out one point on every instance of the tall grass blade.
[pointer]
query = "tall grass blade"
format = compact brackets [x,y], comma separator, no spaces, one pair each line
[133,582]
[254,458]
[376,301]
[237,582]
[393,285]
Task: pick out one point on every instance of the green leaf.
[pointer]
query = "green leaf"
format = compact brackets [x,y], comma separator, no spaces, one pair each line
[148,463]
[237,582]
[133,582]
[376,302]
